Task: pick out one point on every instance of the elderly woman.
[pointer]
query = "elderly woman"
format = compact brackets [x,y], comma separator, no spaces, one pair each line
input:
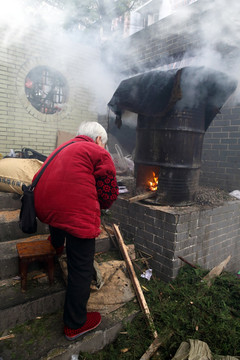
[76,184]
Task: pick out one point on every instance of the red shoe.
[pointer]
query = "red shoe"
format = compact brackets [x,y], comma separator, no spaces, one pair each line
[93,320]
[59,250]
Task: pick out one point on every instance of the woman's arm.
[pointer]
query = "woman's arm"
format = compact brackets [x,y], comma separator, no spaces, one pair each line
[107,190]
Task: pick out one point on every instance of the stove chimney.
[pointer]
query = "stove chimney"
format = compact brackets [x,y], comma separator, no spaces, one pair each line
[175,108]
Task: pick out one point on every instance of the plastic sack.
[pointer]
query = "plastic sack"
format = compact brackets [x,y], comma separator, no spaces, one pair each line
[15,172]
[123,164]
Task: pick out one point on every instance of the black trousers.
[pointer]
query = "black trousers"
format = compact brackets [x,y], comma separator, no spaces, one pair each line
[80,257]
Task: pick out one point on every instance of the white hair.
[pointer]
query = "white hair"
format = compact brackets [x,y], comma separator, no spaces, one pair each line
[93,129]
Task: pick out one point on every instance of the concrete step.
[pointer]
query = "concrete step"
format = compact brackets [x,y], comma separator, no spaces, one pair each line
[9,256]
[17,307]
[9,226]
[43,339]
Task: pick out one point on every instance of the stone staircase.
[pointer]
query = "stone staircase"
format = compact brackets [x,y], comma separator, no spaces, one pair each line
[40,300]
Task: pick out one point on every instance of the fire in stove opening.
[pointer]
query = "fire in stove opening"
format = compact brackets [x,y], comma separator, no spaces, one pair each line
[153,183]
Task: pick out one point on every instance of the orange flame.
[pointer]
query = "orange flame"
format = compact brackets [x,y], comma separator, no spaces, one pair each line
[153,184]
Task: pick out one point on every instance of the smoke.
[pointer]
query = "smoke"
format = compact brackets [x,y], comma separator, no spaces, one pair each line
[220,23]
[217,26]
[24,21]
[216,22]
[20,17]
[209,33]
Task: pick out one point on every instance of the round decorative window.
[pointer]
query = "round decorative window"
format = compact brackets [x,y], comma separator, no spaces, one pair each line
[46,89]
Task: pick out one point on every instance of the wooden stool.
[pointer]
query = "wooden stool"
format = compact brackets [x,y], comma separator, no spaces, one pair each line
[39,250]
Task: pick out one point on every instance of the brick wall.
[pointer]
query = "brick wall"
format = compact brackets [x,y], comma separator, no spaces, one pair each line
[21,125]
[168,41]
[221,151]
[204,236]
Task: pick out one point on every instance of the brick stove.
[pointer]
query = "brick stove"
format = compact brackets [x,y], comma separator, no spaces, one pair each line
[204,236]
[174,110]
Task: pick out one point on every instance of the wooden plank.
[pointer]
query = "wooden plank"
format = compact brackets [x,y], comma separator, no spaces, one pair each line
[154,347]
[216,271]
[6,337]
[135,281]
[143,196]
[28,249]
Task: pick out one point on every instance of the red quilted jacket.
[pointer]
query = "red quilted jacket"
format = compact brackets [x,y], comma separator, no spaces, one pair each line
[66,196]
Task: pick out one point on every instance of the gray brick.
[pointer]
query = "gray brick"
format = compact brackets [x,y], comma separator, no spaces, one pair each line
[149,219]
[135,207]
[167,253]
[164,263]
[234,135]
[169,235]
[179,237]
[150,228]
[186,243]
[131,230]
[171,245]
[144,247]
[171,218]
[236,121]
[158,223]
[171,228]
[203,220]
[222,122]
[188,216]
[221,134]
[183,227]
[151,212]
[165,274]
[229,141]
[220,147]
[123,219]
[144,235]
[187,251]
[136,223]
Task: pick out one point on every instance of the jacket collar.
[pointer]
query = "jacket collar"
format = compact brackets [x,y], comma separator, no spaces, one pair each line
[83,138]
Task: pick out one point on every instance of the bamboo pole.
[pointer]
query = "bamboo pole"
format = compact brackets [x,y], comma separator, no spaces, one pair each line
[135,281]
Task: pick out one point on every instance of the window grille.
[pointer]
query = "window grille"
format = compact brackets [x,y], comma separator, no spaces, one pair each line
[46,90]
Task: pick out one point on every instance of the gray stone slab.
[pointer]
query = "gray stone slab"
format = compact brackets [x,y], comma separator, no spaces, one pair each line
[9,201]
